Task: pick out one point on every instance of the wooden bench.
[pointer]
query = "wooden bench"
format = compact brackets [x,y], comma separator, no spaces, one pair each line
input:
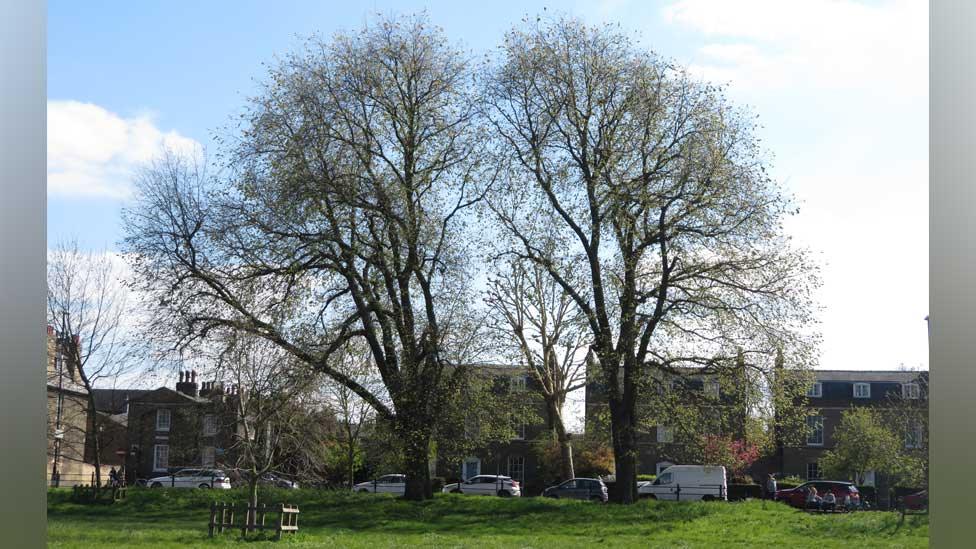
[222,518]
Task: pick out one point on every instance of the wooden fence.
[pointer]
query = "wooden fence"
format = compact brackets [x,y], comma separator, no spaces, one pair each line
[222,518]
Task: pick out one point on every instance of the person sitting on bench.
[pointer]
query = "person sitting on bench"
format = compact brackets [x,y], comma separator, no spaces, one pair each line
[813,500]
[829,501]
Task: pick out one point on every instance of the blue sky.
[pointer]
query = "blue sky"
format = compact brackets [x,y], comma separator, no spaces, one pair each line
[841,88]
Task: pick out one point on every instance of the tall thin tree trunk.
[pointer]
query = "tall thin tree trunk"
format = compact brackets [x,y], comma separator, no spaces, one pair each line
[96,442]
[566,469]
[252,500]
[351,452]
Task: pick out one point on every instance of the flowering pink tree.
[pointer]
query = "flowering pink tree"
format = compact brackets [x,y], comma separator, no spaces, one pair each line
[735,454]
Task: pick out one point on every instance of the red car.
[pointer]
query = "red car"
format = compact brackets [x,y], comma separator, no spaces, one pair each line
[797,497]
[916,501]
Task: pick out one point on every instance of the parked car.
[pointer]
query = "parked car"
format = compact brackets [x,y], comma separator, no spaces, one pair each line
[486,485]
[386,484]
[687,483]
[797,497]
[192,478]
[271,479]
[591,489]
[916,501]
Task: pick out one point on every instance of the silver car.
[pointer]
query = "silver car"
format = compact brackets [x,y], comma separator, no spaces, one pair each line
[386,484]
[486,485]
[192,478]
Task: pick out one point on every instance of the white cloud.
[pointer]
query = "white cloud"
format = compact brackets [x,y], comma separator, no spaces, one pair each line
[826,44]
[93,152]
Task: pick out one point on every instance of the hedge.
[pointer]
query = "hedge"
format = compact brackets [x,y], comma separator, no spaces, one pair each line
[743,491]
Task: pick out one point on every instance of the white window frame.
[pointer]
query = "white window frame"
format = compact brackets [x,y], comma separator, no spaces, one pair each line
[208,456]
[160,449]
[811,429]
[860,384]
[911,391]
[209,425]
[869,478]
[160,414]
[518,384]
[815,390]
[476,462]
[519,430]
[916,430]
[665,434]
[713,388]
[521,469]
[816,466]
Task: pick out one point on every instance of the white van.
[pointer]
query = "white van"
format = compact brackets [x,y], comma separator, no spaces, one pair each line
[687,483]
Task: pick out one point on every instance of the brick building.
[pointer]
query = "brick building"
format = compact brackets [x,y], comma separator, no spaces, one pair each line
[892,392]
[67,406]
[514,458]
[190,425]
[661,445]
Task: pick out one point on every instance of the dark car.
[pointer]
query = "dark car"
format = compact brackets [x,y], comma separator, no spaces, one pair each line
[916,501]
[797,497]
[591,489]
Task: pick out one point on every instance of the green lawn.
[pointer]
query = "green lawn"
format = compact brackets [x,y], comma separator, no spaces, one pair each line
[178,518]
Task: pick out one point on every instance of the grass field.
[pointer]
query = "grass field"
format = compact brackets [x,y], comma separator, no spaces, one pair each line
[178,518]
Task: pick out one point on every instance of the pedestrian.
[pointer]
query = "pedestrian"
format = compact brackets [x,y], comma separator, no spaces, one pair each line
[113,478]
[771,487]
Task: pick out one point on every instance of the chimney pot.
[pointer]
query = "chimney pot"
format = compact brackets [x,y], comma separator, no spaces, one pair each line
[181,376]
[193,376]
[50,330]
[76,339]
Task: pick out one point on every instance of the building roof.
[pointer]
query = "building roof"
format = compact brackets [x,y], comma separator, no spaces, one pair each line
[150,396]
[113,400]
[899,376]
[66,384]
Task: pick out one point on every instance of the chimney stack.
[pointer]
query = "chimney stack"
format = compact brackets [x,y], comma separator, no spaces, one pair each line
[50,330]
[187,384]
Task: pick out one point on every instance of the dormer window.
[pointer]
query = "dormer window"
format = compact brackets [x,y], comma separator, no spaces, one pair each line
[712,388]
[862,390]
[815,390]
[910,391]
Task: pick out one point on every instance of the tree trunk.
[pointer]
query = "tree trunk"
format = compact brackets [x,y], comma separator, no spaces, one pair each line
[566,468]
[350,456]
[624,451]
[416,440]
[566,452]
[252,502]
[96,443]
